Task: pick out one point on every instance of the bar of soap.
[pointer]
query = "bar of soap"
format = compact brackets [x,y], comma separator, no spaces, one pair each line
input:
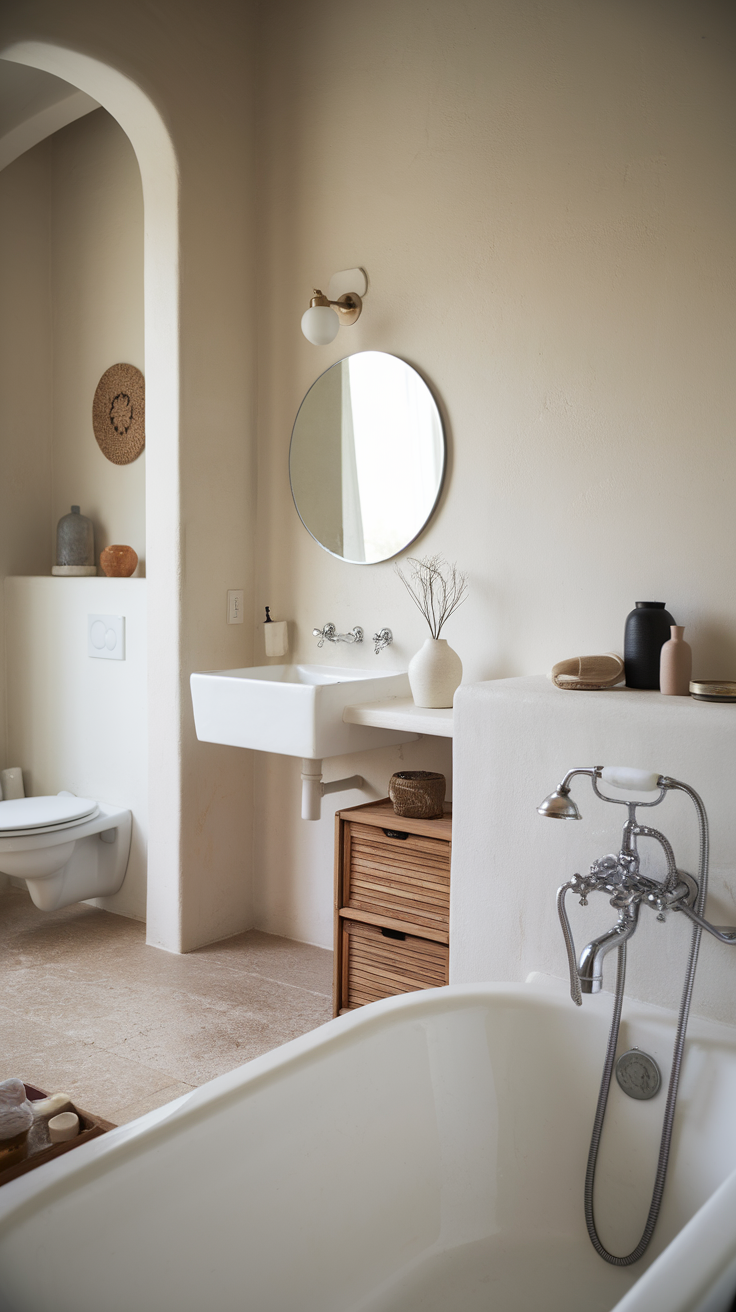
[65,1126]
[58,1102]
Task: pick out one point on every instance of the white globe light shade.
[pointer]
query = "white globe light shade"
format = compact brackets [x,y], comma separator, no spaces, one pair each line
[320,325]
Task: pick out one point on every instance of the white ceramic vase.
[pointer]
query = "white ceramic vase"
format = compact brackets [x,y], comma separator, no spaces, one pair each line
[434,673]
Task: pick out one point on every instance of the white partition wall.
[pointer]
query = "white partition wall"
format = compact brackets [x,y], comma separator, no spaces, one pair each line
[75,722]
[514,741]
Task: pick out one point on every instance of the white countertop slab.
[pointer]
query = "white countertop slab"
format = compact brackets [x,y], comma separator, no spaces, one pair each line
[401,713]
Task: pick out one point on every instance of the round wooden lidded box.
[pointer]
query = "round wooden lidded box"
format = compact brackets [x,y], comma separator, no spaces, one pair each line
[417,794]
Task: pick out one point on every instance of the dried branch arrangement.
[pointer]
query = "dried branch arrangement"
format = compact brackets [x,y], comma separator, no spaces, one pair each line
[436,588]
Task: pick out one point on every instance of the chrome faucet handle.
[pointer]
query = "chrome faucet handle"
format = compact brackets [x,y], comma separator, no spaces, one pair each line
[382,639]
[329,633]
[326,633]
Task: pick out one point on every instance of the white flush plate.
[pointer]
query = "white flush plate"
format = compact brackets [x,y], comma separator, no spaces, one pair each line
[348,280]
[106,637]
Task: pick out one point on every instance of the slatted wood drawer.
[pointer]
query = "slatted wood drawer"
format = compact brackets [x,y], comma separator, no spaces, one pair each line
[403,879]
[375,965]
[392,904]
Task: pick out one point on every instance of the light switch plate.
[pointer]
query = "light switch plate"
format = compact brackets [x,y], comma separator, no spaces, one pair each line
[106,637]
[235,606]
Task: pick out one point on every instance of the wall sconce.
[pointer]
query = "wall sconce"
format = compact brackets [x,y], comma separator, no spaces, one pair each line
[339,308]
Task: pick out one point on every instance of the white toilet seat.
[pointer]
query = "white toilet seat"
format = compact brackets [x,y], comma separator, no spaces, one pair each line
[67,849]
[21,817]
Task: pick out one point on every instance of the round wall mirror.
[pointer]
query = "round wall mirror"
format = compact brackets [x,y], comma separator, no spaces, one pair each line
[367,457]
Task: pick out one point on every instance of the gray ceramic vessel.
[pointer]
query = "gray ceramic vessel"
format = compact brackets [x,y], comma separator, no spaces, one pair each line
[75,539]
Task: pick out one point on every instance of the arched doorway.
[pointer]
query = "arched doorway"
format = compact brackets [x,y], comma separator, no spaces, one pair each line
[142,123]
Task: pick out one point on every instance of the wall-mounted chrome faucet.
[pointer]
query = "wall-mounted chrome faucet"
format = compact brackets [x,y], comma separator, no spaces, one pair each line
[329,634]
[619,875]
[382,639]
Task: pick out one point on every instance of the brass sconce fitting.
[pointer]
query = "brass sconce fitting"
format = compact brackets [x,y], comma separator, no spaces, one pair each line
[320,323]
[348,306]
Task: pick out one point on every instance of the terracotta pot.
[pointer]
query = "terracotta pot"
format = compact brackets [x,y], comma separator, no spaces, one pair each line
[118,562]
[675,665]
[434,674]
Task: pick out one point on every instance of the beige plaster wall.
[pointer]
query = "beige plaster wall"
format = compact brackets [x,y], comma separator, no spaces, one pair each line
[543,195]
[26,408]
[72,240]
[180,83]
[97,291]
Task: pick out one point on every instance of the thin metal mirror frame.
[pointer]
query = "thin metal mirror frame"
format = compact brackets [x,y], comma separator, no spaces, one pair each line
[346,560]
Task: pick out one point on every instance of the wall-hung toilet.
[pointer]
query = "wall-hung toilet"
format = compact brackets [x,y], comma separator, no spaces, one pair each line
[66,848]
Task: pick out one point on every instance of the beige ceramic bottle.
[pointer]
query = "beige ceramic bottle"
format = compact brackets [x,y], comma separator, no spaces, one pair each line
[675,665]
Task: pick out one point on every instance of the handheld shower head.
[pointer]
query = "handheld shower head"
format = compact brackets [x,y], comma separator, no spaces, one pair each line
[559,805]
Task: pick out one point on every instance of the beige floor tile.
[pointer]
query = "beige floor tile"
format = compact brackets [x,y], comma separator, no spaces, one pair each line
[195,1041]
[97,1079]
[300,964]
[113,1014]
[131,1112]
[86,1006]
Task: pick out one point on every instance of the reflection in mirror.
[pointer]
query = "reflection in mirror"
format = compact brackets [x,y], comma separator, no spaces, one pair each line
[367,457]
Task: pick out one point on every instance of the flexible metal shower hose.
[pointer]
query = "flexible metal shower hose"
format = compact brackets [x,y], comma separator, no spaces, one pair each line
[669,1111]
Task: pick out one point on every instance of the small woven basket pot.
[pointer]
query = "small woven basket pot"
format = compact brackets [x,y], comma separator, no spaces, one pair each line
[418,794]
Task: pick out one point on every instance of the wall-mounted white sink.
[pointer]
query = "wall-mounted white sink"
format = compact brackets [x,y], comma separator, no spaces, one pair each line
[295,710]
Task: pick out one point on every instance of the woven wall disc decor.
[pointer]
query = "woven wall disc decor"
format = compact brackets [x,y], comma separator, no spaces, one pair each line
[119,413]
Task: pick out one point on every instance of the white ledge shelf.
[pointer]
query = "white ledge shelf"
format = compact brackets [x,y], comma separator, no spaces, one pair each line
[401,713]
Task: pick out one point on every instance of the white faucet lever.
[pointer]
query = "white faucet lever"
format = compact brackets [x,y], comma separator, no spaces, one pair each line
[630,779]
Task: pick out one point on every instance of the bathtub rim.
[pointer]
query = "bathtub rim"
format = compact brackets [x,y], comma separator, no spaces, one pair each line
[685,1277]
[91,1160]
[99,1155]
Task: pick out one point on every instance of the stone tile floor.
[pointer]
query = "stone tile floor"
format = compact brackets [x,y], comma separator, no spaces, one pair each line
[86,1007]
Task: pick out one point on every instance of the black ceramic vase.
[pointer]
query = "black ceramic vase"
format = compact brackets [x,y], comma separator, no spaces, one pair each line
[647,629]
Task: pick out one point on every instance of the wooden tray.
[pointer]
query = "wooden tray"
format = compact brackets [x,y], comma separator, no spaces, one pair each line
[40,1149]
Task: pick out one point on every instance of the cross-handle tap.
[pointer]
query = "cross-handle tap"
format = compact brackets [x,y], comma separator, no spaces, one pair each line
[382,639]
[329,634]
[620,877]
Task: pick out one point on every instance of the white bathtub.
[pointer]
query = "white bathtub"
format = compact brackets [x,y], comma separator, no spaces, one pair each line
[424,1154]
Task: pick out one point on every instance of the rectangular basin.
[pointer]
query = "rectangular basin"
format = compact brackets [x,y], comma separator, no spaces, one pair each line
[295,710]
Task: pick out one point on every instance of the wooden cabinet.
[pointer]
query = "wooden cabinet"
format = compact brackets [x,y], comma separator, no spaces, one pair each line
[392,904]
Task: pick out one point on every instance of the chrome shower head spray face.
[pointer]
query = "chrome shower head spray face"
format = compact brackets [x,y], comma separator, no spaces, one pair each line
[559,806]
